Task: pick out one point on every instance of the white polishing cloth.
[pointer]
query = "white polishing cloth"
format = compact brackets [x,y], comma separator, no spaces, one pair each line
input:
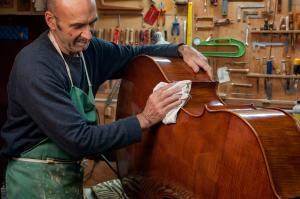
[185,86]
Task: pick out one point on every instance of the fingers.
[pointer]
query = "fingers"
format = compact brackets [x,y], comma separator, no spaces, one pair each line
[159,104]
[165,91]
[195,63]
[206,67]
[164,97]
[196,60]
[170,99]
[172,105]
[166,87]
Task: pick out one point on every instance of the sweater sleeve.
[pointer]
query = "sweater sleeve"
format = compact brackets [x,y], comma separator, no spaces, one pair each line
[110,59]
[43,96]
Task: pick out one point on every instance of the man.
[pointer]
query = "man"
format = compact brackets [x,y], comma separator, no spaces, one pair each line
[51,121]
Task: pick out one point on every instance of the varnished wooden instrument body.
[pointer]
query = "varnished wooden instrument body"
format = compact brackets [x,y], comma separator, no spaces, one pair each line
[214,150]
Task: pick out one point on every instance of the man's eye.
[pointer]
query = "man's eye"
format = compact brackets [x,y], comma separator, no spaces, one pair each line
[79,26]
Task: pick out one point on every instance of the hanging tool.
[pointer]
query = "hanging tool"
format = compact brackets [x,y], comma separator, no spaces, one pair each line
[290,4]
[111,35]
[146,37]
[131,37]
[279,5]
[246,30]
[175,27]
[189,23]
[104,34]
[152,32]
[151,15]
[242,85]
[289,83]
[161,15]
[206,23]
[214,2]
[122,36]
[184,32]
[165,35]
[137,37]
[247,13]
[238,70]
[181,2]
[141,35]
[256,45]
[283,67]
[251,6]
[241,49]
[268,80]
[224,7]
[116,36]
[127,36]
[222,22]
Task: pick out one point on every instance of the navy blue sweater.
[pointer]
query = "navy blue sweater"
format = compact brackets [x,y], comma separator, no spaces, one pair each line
[39,105]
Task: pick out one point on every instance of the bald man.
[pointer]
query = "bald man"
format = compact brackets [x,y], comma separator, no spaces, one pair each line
[51,113]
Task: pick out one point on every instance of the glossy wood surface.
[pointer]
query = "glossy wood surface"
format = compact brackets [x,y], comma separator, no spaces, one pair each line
[214,150]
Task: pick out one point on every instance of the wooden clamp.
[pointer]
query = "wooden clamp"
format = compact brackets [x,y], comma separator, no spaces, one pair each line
[207,23]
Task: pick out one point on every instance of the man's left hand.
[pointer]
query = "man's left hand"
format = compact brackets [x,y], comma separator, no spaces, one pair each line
[195,59]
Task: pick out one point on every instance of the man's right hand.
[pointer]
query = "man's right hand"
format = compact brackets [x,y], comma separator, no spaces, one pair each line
[158,105]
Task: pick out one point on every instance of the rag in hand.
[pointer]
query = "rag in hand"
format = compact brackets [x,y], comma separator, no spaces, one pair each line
[185,86]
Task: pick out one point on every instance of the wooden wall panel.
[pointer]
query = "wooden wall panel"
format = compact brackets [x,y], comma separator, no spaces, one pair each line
[256,94]
[236,30]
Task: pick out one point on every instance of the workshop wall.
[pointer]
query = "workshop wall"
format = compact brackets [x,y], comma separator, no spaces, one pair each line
[110,19]
[249,83]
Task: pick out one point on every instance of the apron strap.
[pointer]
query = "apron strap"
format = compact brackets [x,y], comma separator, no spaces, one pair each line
[86,72]
[46,161]
[52,39]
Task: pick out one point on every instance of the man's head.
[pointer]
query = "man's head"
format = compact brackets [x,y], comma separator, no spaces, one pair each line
[71,22]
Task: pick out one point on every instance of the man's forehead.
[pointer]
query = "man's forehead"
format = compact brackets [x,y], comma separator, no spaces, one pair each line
[69,5]
[76,8]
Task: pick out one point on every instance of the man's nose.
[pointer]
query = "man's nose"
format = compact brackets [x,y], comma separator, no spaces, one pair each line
[87,33]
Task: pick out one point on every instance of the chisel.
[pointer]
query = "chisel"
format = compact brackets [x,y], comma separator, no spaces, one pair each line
[224,7]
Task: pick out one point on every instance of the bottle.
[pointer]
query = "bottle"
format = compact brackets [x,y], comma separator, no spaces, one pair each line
[296,111]
[283,67]
[297,66]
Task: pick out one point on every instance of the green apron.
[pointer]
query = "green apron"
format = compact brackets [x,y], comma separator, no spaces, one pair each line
[45,170]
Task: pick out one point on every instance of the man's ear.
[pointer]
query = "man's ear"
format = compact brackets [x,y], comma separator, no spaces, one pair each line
[50,20]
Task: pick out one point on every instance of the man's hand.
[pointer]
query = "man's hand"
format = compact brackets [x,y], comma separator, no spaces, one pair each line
[194,59]
[158,105]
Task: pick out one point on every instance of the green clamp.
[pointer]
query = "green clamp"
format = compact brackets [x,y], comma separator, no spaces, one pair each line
[241,48]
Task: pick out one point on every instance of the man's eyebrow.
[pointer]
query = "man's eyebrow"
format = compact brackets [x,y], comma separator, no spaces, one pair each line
[78,24]
[94,20]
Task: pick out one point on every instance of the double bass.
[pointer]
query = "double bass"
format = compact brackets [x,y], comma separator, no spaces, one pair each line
[214,150]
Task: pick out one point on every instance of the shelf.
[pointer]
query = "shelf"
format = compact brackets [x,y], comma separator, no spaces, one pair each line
[259,75]
[274,31]
[262,101]
[21,13]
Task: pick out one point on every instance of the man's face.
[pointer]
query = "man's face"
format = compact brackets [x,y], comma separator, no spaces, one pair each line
[74,21]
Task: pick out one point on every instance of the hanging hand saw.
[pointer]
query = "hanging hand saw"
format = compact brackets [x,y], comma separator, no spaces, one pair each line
[227,41]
